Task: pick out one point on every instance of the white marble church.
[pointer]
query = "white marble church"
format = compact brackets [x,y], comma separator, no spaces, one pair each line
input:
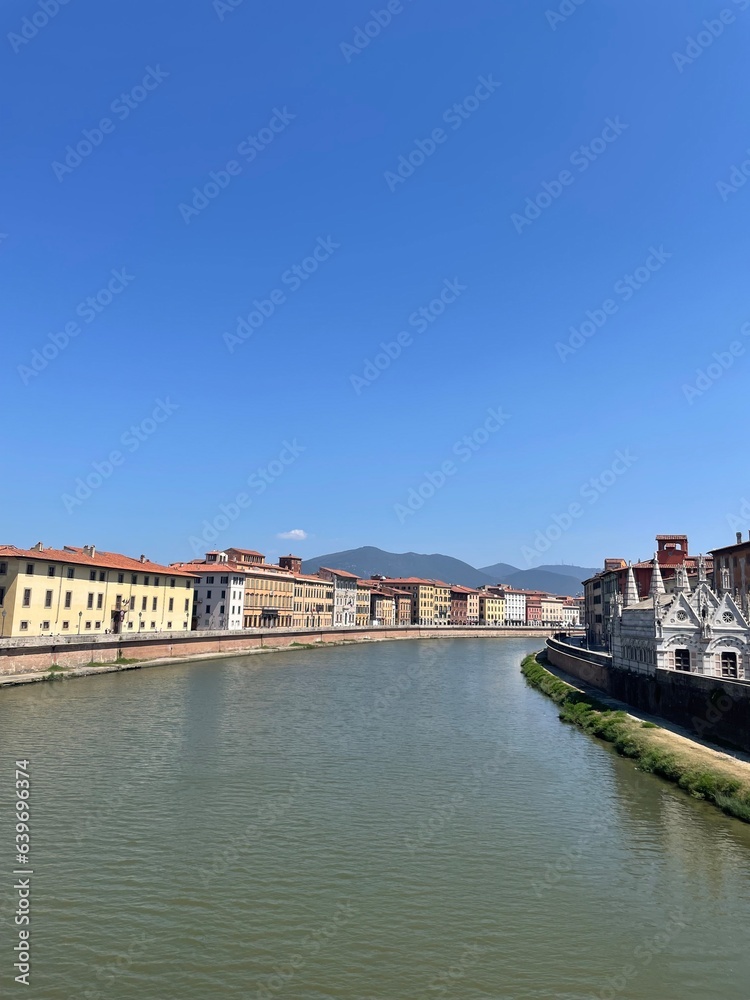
[693,630]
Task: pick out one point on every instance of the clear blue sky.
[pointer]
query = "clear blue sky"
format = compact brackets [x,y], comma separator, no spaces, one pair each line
[330,125]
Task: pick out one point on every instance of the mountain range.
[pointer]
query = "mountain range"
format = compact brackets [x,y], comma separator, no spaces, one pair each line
[368,560]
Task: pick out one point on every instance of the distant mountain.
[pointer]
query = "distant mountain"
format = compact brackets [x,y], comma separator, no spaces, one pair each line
[541,579]
[499,571]
[368,560]
[579,572]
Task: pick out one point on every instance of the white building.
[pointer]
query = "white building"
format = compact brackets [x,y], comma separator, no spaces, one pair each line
[219,592]
[515,607]
[695,631]
[344,595]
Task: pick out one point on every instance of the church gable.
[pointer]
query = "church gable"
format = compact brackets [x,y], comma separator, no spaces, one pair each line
[727,616]
[681,614]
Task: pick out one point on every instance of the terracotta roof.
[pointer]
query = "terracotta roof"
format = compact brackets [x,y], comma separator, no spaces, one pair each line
[339,572]
[414,579]
[244,552]
[102,560]
[199,566]
[458,589]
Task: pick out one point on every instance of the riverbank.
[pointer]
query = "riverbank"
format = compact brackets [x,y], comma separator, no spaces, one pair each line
[701,772]
[67,662]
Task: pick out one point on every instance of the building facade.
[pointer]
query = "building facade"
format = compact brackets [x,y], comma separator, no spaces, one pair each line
[72,590]
[219,592]
[491,607]
[735,559]
[313,602]
[464,606]
[515,606]
[344,596]
[694,629]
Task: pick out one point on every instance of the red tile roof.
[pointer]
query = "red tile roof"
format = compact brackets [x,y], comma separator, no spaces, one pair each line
[102,560]
[339,572]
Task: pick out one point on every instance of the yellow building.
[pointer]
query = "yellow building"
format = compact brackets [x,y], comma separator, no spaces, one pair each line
[313,602]
[383,607]
[72,591]
[430,599]
[363,613]
[491,608]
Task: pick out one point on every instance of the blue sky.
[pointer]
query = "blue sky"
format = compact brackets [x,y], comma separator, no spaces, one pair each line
[305,129]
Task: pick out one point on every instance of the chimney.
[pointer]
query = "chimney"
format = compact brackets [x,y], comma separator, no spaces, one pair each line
[143,558]
[739,537]
[39,547]
[89,550]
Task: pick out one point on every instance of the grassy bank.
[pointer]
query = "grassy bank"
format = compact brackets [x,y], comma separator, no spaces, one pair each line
[654,749]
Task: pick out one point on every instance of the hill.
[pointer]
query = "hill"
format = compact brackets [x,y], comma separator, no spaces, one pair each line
[368,560]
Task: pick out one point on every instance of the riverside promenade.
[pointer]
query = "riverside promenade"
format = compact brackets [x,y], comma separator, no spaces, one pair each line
[47,657]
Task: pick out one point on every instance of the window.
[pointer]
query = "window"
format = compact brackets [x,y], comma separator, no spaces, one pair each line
[209,579]
[48,598]
[97,624]
[102,576]
[24,626]
[45,626]
[88,625]
[121,578]
[71,573]
[144,602]
[682,659]
[68,598]
[90,601]
[728,664]
[65,625]
[153,603]
[141,624]
[172,582]
[153,625]
[130,624]
[146,580]
[208,594]
[92,574]
[27,598]
[225,579]
[221,610]
[134,579]
[50,571]
[29,569]
[208,609]
[156,581]
[187,603]
[3,568]
[171,604]
[2,595]
[100,601]
[184,624]
[187,583]
[169,624]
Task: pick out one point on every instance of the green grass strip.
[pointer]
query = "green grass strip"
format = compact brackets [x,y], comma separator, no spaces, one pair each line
[632,738]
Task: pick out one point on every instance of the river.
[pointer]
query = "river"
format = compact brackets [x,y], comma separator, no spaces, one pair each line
[387,820]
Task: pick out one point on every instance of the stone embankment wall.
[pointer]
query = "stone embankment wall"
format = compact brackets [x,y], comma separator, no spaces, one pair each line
[713,708]
[38,654]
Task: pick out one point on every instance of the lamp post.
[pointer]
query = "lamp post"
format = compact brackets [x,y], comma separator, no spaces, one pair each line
[80,616]
[4,614]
